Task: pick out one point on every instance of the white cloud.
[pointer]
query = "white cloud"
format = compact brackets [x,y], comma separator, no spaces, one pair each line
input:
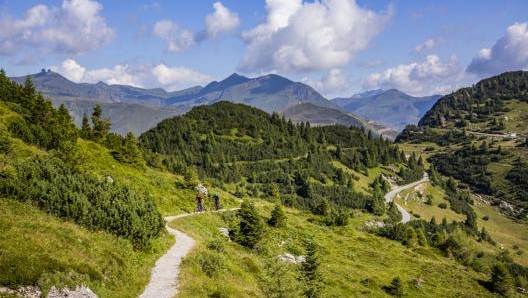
[74,27]
[117,75]
[71,70]
[144,76]
[177,39]
[427,45]
[510,52]
[221,21]
[333,82]
[176,78]
[431,76]
[303,36]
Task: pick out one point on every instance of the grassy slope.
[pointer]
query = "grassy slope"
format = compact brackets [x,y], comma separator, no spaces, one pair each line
[350,258]
[511,234]
[166,189]
[34,245]
[36,248]
[414,203]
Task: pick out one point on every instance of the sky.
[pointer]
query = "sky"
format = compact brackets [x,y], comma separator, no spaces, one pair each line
[339,47]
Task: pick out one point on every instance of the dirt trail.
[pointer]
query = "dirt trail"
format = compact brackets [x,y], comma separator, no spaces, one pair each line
[164,279]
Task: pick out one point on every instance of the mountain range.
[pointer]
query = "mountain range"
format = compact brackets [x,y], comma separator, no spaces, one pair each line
[391,108]
[137,109]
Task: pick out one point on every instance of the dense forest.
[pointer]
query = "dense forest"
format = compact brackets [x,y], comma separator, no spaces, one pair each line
[273,157]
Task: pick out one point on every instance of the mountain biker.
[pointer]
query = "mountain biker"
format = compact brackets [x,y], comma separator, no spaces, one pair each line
[199,203]
[216,200]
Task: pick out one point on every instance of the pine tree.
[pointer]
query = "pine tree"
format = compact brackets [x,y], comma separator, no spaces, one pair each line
[411,239]
[310,275]
[191,177]
[278,217]
[422,239]
[101,127]
[251,227]
[86,130]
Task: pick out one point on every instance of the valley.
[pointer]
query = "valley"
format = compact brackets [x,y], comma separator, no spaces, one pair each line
[320,192]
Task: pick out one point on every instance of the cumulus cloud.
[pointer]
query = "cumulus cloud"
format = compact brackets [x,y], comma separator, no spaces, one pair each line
[178,39]
[74,27]
[304,36]
[431,76]
[331,83]
[70,69]
[221,21]
[175,78]
[427,45]
[510,52]
[144,76]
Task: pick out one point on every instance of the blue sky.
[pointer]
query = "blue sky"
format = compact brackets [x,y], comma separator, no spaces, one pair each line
[339,47]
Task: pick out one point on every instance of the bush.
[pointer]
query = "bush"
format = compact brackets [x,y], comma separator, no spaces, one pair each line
[60,190]
[211,264]
[442,205]
[216,245]
[395,288]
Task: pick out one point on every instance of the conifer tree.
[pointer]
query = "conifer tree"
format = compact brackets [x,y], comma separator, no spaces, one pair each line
[278,217]
[310,275]
[101,127]
[86,129]
[251,227]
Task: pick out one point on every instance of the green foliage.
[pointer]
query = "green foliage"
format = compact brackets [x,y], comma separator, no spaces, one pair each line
[128,152]
[310,272]
[278,217]
[42,250]
[40,124]
[337,217]
[278,280]
[321,208]
[191,177]
[58,189]
[410,239]
[393,213]
[276,158]
[488,109]
[251,226]
[501,280]
[395,288]
[5,142]
[481,102]
[211,263]
[101,127]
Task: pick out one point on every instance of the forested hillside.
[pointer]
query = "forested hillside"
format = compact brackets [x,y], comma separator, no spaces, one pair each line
[269,156]
[482,131]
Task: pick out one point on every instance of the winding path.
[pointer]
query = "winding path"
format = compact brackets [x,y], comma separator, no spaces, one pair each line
[406,217]
[164,278]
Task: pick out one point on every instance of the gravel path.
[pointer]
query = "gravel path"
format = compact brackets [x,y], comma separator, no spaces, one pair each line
[164,279]
[406,217]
